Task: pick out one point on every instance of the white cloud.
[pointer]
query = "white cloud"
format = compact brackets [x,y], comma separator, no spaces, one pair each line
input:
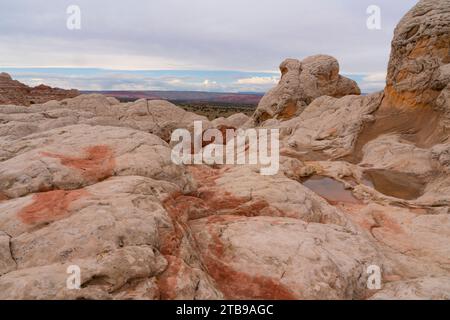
[373,82]
[258,81]
[375,77]
[208,83]
[175,82]
[139,34]
[369,87]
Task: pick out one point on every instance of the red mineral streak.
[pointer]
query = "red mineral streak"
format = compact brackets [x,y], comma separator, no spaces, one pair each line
[235,284]
[97,164]
[387,223]
[356,214]
[49,206]
[167,281]
[224,202]
[209,203]
[170,247]
[225,138]
[238,285]
[223,130]
[3,197]
[205,176]
[171,239]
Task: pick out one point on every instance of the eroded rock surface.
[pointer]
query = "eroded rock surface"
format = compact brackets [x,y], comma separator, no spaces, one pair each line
[427,288]
[301,82]
[416,97]
[157,117]
[239,253]
[17,93]
[418,68]
[89,182]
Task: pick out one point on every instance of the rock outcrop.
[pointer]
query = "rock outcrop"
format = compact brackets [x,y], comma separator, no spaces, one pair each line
[157,117]
[301,82]
[17,93]
[420,56]
[418,78]
[88,182]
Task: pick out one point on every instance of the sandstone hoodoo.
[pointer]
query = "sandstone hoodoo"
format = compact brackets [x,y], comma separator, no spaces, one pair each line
[359,208]
[301,82]
[418,69]
[417,95]
[17,93]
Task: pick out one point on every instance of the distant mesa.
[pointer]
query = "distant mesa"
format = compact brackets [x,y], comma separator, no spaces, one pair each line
[17,93]
[218,98]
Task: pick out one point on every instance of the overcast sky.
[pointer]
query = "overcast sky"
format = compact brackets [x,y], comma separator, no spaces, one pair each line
[216,45]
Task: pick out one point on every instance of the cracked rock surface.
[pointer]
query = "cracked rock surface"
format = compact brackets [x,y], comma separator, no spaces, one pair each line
[363,181]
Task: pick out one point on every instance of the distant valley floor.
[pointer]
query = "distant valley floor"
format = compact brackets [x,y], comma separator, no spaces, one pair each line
[210,104]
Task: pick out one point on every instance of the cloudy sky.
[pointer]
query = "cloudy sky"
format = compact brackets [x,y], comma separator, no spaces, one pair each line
[209,45]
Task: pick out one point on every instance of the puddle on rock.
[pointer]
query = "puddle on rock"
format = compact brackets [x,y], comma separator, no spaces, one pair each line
[333,191]
[390,183]
[395,184]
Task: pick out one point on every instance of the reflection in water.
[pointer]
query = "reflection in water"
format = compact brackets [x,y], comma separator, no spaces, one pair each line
[396,184]
[333,191]
[390,183]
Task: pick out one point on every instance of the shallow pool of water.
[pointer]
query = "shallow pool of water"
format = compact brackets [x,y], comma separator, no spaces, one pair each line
[333,191]
[396,184]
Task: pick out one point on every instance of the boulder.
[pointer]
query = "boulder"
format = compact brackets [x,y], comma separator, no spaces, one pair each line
[417,85]
[160,118]
[418,68]
[301,82]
